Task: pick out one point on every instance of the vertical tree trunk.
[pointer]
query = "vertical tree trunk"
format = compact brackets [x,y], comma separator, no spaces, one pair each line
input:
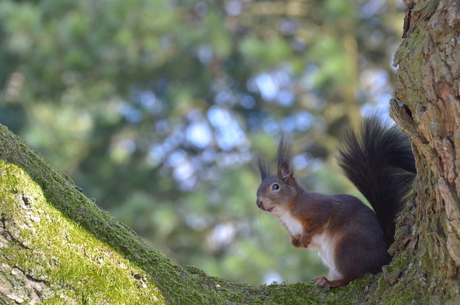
[428,79]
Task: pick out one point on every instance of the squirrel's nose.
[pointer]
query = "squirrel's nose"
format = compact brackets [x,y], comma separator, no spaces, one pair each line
[260,204]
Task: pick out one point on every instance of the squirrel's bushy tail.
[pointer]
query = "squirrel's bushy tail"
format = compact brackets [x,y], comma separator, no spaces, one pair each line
[380,163]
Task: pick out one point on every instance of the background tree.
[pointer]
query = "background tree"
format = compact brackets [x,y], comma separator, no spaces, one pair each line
[136,100]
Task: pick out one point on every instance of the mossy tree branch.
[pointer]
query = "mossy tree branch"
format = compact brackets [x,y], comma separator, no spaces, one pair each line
[58,246]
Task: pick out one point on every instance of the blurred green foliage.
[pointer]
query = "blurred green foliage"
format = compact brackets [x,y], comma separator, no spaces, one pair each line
[156,108]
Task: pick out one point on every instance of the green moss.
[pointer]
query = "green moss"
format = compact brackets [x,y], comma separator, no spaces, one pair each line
[49,248]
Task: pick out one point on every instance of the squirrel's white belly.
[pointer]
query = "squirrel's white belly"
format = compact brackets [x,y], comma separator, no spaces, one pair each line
[324,244]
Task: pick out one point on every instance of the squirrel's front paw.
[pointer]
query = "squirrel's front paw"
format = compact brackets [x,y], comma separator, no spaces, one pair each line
[295,240]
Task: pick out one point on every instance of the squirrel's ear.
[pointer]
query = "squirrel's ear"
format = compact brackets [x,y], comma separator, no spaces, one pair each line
[285,172]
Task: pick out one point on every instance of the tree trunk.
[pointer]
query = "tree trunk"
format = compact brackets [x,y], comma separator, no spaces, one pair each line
[58,247]
[428,245]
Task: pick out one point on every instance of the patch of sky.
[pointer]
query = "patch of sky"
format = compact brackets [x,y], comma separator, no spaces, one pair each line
[233,8]
[184,174]
[149,101]
[288,125]
[198,222]
[162,127]
[223,96]
[288,26]
[156,154]
[131,114]
[285,98]
[201,8]
[380,106]
[273,86]
[228,131]
[267,86]
[205,54]
[254,120]
[298,44]
[304,120]
[251,85]
[222,235]
[270,126]
[199,134]
[176,158]
[301,161]
[308,78]
[376,82]
[371,8]
[248,102]
[272,276]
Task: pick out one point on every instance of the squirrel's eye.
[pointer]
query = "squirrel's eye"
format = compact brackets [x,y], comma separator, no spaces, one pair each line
[275,186]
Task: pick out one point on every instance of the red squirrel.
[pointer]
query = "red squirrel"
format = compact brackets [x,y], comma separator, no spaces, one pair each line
[350,238]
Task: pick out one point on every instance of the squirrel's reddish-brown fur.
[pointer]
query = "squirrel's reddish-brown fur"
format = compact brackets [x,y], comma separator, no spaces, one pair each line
[350,238]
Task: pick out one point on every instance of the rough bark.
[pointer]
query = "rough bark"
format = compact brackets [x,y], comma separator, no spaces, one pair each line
[428,79]
[58,247]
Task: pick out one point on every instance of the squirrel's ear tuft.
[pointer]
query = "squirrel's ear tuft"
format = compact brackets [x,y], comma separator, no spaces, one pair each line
[284,161]
[285,172]
[264,167]
[284,152]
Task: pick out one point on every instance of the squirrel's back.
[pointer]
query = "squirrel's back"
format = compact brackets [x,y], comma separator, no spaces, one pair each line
[380,163]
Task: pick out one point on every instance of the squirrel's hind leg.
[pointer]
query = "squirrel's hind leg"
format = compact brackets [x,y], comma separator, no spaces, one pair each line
[327,285]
